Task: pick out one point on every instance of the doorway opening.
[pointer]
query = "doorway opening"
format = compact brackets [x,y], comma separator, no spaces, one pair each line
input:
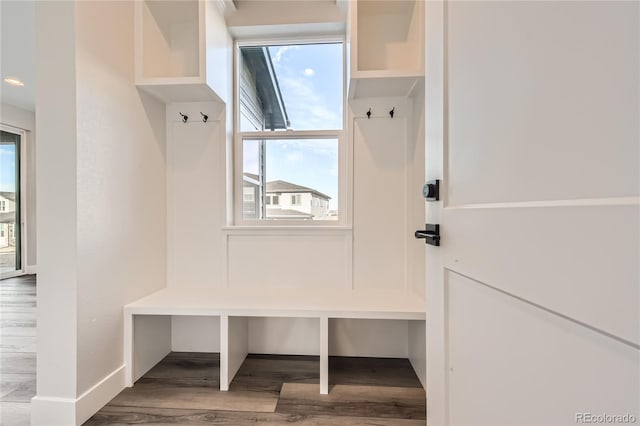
[11,203]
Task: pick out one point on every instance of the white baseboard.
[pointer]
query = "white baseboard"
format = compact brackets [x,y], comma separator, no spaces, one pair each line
[31,269]
[99,395]
[49,411]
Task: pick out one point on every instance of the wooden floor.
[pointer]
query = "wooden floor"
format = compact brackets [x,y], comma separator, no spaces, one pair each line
[17,349]
[270,390]
[183,388]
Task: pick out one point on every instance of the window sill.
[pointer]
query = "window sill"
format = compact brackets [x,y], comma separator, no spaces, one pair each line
[294,229]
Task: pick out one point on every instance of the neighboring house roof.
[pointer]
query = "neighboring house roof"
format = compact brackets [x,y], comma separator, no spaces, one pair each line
[287,213]
[282,186]
[258,60]
[288,187]
[251,176]
[11,196]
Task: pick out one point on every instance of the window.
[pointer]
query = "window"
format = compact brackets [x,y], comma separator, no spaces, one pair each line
[289,130]
[272,200]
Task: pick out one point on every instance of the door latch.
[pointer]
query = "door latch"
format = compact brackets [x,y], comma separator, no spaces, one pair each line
[431,234]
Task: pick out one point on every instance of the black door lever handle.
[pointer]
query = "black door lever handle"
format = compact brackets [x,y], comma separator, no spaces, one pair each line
[425,234]
[431,234]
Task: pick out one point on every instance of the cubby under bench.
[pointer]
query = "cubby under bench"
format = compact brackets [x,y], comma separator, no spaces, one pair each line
[235,306]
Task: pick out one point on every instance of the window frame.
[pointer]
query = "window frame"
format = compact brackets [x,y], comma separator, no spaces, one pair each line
[344,148]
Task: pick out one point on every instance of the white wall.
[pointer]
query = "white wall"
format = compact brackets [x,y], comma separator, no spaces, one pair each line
[121,186]
[26,120]
[102,186]
[388,173]
[278,18]
[195,195]
[388,166]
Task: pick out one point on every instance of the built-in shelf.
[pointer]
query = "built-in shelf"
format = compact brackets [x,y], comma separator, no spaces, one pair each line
[172,37]
[234,306]
[387,47]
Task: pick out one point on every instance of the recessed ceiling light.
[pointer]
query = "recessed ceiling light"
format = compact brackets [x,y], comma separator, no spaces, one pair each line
[13,81]
[309,72]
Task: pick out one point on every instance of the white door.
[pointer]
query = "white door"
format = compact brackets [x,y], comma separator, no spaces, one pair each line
[532,123]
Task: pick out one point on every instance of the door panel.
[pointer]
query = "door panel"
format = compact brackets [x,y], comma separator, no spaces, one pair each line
[546,94]
[532,123]
[541,372]
[580,261]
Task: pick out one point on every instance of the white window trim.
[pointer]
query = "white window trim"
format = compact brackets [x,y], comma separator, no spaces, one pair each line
[23,199]
[345,148]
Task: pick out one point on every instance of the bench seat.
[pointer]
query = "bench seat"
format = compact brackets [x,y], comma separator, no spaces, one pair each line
[233,306]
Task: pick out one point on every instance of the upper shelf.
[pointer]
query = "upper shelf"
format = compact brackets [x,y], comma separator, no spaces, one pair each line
[387,47]
[172,37]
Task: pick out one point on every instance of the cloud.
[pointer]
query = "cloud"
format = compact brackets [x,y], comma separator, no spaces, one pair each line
[294,157]
[278,51]
[308,108]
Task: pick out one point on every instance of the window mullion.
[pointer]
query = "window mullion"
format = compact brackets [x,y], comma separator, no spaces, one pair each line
[262,176]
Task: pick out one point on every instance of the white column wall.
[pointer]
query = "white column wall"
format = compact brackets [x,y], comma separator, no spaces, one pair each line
[102,188]
[57,243]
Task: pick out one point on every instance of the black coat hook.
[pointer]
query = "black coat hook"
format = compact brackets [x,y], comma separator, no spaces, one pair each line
[393,111]
[184,117]
[205,117]
[369,114]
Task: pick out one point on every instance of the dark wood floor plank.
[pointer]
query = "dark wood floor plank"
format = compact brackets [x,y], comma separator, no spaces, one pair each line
[18,316]
[18,362]
[17,349]
[193,355]
[15,291]
[15,414]
[267,374]
[372,371]
[120,416]
[181,390]
[22,323]
[188,367]
[353,400]
[17,331]
[18,344]
[160,394]
[27,309]
[17,387]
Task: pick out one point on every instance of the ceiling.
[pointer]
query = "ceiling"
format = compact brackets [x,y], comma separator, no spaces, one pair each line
[17,52]
[17,49]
